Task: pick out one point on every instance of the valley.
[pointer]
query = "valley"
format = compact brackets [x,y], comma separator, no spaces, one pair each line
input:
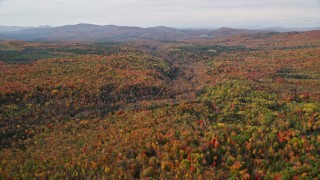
[242,105]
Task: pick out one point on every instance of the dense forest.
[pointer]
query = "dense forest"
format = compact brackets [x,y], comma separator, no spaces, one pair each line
[245,106]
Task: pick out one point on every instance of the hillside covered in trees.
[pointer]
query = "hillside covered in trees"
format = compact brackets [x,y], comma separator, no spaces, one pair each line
[238,106]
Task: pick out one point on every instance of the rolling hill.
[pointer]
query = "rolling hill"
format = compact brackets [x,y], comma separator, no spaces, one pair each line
[96,33]
[162,103]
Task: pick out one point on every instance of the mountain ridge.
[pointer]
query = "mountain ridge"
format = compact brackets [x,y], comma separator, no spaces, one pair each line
[96,33]
[85,32]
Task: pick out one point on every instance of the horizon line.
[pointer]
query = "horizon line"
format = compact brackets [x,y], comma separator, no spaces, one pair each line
[176,27]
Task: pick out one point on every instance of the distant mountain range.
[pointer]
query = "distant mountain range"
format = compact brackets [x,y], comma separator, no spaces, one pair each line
[97,33]
[5,29]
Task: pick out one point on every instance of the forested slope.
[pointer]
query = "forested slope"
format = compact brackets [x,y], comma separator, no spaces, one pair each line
[244,106]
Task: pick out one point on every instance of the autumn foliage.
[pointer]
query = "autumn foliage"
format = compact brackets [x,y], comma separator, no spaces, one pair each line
[237,108]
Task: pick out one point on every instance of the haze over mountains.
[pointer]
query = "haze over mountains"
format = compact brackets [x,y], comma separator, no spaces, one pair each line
[98,33]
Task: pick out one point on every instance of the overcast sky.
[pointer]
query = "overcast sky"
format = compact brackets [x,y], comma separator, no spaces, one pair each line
[174,13]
